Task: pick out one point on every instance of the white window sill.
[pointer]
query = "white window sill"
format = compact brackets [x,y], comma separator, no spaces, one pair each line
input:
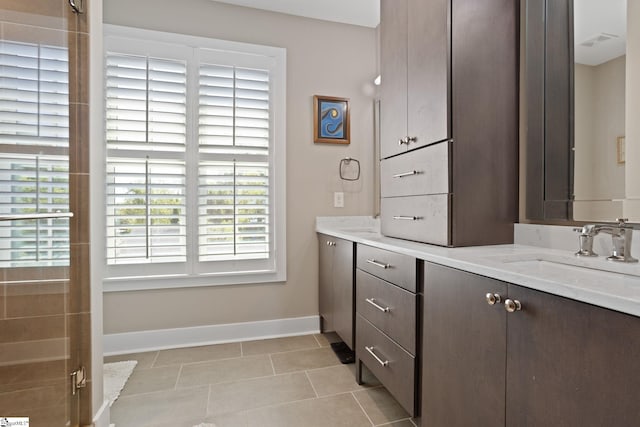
[177,281]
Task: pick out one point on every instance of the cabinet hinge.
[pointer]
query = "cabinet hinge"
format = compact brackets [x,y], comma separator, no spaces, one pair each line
[78,380]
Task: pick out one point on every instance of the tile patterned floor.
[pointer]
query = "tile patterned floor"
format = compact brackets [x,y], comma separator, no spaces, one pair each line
[282,382]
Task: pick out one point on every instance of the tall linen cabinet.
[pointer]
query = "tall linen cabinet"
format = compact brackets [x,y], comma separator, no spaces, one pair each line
[449,120]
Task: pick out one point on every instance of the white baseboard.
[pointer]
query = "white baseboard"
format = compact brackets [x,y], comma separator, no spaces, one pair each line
[102,417]
[141,341]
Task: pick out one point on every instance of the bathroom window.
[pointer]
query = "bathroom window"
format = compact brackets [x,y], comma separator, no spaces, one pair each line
[194,161]
[34,153]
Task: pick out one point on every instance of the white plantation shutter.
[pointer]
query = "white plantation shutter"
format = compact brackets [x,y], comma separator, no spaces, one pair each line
[233,210]
[34,184]
[146,103]
[190,161]
[234,110]
[34,160]
[146,214]
[34,99]
[146,110]
[233,196]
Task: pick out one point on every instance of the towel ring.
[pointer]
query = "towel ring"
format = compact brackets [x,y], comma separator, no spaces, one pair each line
[346,162]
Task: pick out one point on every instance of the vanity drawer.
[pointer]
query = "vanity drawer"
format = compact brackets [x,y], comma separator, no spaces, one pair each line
[396,268]
[388,307]
[423,171]
[395,368]
[419,218]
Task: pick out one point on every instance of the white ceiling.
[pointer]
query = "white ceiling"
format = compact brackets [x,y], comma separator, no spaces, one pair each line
[357,12]
[595,17]
[591,18]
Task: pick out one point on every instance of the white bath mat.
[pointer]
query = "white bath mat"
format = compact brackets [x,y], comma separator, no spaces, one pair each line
[116,375]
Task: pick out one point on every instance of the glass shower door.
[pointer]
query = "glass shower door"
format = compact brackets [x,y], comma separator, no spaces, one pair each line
[41,300]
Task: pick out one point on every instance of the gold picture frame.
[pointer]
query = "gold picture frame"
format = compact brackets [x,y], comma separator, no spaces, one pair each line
[331,121]
[620,150]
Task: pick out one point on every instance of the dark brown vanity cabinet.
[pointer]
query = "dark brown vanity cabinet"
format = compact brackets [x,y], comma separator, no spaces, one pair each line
[414,67]
[449,120]
[336,286]
[386,321]
[552,361]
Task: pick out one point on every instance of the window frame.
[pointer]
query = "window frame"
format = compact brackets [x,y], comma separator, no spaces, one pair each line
[135,41]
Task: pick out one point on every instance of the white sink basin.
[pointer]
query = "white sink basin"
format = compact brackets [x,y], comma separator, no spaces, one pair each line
[594,274]
[569,263]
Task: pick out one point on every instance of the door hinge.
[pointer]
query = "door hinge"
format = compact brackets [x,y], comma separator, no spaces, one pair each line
[78,380]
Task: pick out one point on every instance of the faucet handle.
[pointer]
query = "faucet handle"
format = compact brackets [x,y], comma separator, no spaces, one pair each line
[622,222]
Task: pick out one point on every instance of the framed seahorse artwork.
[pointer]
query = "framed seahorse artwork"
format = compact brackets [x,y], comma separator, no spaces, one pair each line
[331,120]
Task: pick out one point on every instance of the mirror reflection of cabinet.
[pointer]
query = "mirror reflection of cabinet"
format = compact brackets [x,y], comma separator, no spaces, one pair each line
[549,109]
[575,92]
[599,113]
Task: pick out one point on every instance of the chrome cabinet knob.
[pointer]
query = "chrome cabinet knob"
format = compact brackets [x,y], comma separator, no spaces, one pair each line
[512,305]
[412,139]
[402,141]
[493,299]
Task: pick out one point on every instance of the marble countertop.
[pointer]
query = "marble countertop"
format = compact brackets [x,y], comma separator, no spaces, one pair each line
[592,280]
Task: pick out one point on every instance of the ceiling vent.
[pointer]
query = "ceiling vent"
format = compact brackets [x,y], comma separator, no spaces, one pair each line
[597,39]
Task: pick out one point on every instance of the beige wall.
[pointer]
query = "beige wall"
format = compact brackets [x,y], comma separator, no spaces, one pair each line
[599,121]
[632,202]
[322,58]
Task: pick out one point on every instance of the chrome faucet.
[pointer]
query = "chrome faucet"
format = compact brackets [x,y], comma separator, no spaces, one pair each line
[621,235]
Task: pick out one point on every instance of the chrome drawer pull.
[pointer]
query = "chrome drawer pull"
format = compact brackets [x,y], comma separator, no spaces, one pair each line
[373,302]
[378,264]
[384,363]
[402,175]
[406,218]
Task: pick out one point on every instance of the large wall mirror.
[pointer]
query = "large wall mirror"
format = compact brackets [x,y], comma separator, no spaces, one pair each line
[577,71]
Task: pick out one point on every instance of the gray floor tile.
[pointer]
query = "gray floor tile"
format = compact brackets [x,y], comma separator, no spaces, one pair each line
[224,371]
[334,411]
[237,419]
[152,379]
[226,420]
[278,345]
[326,339]
[145,360]
[153,409]
[204,353]
[380,406]
[338,379]
[250,394]
[401,423]
[303,360]
[235,391]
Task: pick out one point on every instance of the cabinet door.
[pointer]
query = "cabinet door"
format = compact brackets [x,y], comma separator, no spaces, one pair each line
[343,272]
[463,357]
[325,279]
[571,364]
[428,71]
[393,70]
